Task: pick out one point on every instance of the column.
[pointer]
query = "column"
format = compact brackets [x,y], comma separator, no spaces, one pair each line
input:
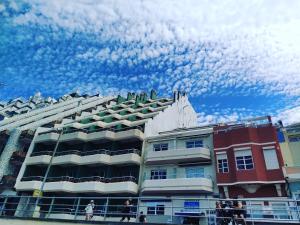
[11,146]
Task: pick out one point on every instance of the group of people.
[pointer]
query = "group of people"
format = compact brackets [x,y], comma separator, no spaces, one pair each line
[229,211]
[126,212]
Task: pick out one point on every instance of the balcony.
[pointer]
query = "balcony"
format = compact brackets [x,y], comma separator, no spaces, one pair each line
[77,157]
[75,134]
[178,155]
[94,184]
[292,173]
[173,184]
[48,136]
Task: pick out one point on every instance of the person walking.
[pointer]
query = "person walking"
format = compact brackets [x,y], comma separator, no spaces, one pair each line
[89,210]
[126,210]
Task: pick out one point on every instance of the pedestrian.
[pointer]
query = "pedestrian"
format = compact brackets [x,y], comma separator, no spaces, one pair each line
[227,213]
[89,210]
[142,217]
[239,213]
[219,215]
[126,210]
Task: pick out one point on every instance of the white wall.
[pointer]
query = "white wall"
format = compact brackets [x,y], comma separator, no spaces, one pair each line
[180,114]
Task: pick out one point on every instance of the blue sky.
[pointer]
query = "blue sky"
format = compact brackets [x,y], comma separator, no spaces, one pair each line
[235,59]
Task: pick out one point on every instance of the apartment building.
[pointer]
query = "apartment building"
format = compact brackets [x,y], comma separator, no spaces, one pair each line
[248,159]
[17,132]
[100,153]
[178,165]
[289,140]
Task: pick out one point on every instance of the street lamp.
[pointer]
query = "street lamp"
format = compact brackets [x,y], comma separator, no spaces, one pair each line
[40,191]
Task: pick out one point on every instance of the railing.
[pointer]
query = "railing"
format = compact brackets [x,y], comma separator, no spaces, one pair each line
[162,210]
[90,152]
[81,179]
[177,176]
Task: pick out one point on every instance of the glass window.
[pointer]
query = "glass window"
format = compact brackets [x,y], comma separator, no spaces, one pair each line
[158,174]
[160,147]
[222,163]
[156,210]
[244,160]
[271,159]
[294,139]
[194,144]
[191,172]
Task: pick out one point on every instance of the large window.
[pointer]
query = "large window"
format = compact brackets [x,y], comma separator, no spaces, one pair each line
[195,171]
[156,209]
[244,159]
[271,159]
[194,144]
[158,174]
[222,163]
[160,147]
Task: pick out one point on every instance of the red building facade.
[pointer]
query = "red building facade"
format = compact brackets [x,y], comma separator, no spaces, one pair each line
[248,160]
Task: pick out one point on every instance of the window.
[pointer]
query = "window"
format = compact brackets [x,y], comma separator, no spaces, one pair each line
[192,172]
[244,160]
[160,147]
[194,144]
[294,139]
[271,159]
[222,163]
[158,174]
[156,209]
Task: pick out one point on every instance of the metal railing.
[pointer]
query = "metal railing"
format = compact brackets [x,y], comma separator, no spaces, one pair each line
[81,179]
[177,176]
[157,209]
[89,152]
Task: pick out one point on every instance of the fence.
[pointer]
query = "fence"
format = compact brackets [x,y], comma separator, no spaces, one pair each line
[157,210]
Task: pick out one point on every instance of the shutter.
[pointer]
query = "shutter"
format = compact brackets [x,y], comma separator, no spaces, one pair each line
[271,159]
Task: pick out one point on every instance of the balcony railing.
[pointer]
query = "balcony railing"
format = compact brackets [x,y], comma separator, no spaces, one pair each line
[81,179]
[90,152]
[87,131]
[109,209]
[177,176]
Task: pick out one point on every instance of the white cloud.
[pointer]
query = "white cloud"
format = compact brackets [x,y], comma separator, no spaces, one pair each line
[239,43]
[289,116]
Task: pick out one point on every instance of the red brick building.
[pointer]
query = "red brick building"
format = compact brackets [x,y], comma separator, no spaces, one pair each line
[248,160]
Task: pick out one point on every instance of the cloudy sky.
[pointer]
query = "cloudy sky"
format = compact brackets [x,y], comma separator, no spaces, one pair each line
[235,59]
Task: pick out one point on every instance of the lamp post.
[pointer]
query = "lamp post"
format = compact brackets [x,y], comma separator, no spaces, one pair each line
[48,169]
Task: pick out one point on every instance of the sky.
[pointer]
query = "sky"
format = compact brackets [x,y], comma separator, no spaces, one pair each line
[235,59]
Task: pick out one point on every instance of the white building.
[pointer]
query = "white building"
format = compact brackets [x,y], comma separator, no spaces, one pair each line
[178,166]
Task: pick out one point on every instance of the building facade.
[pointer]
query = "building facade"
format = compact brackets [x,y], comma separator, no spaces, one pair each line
[17,131]
[178,164]
[289,140]
[248,160]
[100,153]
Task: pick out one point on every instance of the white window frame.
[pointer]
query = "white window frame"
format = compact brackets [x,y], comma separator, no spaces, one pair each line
[193,143]
[222,156]
[160,147]
[156,206]
[158,176]
[237,153]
